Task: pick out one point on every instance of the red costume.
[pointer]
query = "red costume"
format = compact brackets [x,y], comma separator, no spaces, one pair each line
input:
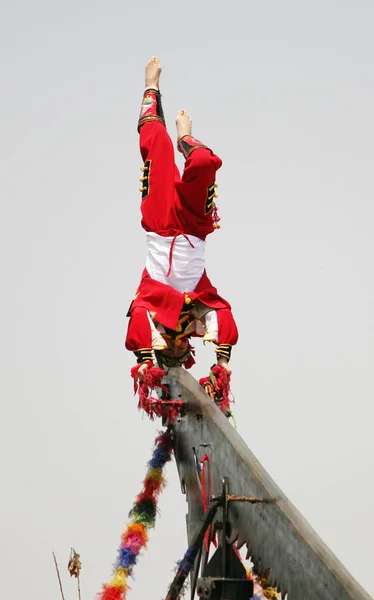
[175,299]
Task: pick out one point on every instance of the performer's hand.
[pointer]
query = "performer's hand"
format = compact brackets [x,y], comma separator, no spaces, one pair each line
[222,362]
[141,371]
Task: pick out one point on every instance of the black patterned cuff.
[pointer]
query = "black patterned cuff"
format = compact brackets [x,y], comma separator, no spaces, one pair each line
[224,351]
[188,144]
[151,109]
[144,355]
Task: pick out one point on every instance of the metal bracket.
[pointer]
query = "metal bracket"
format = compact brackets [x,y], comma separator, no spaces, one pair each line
[216,588]
[224,576]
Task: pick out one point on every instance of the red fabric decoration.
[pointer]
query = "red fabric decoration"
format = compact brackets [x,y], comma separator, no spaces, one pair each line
[190,360]
[222,386]
[167,302]
[219,392]
[154,407]
[111,593]
[134,373]
[215,217]
[205,381]
[152,378]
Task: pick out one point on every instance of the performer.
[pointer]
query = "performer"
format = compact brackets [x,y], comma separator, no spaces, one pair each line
[175,299]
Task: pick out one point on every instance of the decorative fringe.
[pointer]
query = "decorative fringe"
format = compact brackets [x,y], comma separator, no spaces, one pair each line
[269,592]
[143,516]
[217,386]
[215,217]
[187,563]
[163,408]
[152,378]
[155,407]
[222,386]
[262,588]
[111,593]
[178,586]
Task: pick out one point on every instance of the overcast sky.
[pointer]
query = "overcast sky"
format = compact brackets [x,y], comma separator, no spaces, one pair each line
[284,93]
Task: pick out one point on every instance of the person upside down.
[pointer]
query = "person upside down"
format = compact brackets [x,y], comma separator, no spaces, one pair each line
[175,300]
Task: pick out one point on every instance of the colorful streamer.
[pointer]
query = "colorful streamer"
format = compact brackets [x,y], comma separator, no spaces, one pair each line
[143,516]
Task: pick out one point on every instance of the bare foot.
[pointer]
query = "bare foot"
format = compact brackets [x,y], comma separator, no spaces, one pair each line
[183,122]
[222,362]
[152,73]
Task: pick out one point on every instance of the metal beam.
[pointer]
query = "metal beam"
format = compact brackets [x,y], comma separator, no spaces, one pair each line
[276,534]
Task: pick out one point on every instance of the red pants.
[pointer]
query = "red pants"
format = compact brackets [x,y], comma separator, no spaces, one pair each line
[171,203]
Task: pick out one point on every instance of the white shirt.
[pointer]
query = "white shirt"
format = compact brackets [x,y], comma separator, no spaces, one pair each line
[187,262]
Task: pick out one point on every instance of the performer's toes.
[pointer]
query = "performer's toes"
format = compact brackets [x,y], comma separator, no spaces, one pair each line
[183,122]
[152,73]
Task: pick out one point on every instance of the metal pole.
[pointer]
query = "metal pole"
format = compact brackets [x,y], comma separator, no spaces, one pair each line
[193,550]
[225,487]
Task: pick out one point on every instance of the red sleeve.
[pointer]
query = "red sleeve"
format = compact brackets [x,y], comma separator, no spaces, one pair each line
[139,335]
[227,329]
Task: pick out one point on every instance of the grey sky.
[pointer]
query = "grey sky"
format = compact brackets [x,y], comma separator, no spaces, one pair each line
[284,93]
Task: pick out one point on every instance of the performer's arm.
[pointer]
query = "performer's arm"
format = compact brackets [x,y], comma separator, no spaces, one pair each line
[227,336]
[139,336]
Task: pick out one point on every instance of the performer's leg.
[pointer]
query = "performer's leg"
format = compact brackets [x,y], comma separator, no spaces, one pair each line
[197,188]
[159,171]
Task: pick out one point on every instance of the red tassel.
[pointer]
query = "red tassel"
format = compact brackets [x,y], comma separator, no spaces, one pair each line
[146,496]
[190,361]
[165,441]
[154,407]
[134,373]
[219,391]
[152,378]
[215,217]
[111,593]
[222,386]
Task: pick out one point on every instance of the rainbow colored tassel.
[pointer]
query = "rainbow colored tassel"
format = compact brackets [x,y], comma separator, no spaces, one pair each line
[143,517]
